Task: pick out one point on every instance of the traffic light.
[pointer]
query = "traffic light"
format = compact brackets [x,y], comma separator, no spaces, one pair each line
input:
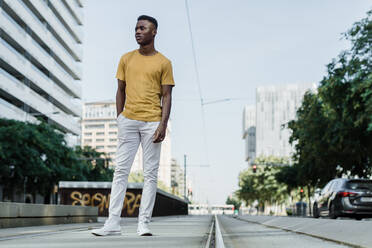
[254,167]
[301,193]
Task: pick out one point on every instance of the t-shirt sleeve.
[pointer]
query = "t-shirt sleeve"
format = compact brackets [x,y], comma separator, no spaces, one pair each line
[167,74]
[120,73]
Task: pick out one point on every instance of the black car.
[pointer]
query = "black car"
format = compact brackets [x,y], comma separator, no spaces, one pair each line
[345,198]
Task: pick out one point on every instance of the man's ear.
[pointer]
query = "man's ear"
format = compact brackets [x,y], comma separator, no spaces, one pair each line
[154,32]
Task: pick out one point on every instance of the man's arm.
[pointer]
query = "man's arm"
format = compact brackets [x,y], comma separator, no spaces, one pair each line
[120,97]
[166,108]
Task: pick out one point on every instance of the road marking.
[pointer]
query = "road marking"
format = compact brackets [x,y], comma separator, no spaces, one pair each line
[219,239]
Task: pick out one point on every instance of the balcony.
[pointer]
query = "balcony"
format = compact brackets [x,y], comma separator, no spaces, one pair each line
[35,25]
[19,63]
[35,101]
[69,21]
[75,9]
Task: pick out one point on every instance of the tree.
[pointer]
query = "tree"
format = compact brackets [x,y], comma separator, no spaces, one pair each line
[233,200]
[333,130]
[35,156]
[262,186]
[95,164]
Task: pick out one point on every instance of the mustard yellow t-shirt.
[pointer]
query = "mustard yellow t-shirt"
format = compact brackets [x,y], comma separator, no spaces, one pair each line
[144,76]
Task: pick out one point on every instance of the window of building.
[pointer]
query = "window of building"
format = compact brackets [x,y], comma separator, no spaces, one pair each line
[99,147]
[111,153]
[100,133]
[100,140]
[113,133]
[88,140]
[111,146]
[88,134]
[113,126]
[113,140]
[91,126]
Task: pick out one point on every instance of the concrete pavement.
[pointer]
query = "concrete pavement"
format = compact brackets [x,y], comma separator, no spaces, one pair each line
[174,231]
[345,231]
[237,233]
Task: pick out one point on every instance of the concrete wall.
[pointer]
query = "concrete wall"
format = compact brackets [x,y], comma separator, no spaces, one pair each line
[20,214]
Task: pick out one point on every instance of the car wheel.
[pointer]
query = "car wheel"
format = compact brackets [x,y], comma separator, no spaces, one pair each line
[315,211]
[332,212]
[358,218]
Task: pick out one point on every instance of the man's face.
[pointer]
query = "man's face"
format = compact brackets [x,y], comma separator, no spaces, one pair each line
[145,32]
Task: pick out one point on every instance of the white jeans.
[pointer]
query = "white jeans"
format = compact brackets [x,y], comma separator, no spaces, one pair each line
[130,134]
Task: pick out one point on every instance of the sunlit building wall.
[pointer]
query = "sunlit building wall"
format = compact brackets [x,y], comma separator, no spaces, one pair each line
[40,62]
[275,107]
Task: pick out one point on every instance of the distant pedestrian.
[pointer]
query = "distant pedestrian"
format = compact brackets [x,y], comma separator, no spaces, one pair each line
[143,103]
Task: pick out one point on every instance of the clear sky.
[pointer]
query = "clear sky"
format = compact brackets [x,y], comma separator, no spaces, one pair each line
[239,45]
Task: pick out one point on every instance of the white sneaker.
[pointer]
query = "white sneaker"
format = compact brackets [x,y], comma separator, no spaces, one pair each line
[143,230]
[110,228]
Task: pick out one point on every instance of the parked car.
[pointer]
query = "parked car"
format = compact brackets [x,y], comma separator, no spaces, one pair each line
[345,198]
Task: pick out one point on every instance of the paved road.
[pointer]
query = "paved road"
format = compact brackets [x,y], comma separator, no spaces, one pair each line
[178,231]
[238,233]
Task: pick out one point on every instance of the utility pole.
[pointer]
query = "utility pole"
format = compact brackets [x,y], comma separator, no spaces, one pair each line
[184,176]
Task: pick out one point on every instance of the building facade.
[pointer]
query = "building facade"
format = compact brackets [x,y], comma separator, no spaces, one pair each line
[264,129]
[275,107]
[177,179]
[40,62]
[99,130]
[249,132]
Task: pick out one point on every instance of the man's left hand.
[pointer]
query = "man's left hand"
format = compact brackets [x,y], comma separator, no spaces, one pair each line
[159,134]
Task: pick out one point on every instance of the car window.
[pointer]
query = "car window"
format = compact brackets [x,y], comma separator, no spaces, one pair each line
[335,185]
[358,184]
[326,188]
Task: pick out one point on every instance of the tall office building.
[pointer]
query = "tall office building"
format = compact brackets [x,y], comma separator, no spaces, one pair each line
[275,107]
[99,130]
[40,62]
[249,133]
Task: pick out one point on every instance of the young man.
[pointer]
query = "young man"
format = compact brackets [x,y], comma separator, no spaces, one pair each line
[145,82]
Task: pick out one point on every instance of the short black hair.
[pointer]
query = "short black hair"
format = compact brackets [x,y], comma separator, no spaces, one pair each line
[150,19]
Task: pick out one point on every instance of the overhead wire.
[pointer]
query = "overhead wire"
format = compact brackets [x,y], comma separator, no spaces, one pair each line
[197,81]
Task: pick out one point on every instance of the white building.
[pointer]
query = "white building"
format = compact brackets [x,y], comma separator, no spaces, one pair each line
[177,179]
[249,132]
[99,130]
[275,107]
[40,62]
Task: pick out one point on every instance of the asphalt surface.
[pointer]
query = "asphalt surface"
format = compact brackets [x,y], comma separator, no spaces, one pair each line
[177,231]
[238,233]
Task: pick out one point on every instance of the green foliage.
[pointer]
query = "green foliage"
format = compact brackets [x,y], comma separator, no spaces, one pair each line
[40,157]
[333,131]
[262,185]
[233,200]
[95,163]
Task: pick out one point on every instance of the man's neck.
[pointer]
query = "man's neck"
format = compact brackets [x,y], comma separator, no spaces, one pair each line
[148,49]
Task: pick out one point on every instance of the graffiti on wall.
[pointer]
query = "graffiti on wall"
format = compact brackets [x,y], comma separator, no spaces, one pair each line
[130,207]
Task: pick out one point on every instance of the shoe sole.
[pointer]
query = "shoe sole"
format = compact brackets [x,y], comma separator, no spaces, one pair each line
[107,234]
[146,234]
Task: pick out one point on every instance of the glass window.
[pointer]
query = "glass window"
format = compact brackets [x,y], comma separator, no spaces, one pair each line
[113,140]
[100,133]
[100,140]
[99,147]
[94,126]
[88,140]
[113,133]
[113,125]
[359,184]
